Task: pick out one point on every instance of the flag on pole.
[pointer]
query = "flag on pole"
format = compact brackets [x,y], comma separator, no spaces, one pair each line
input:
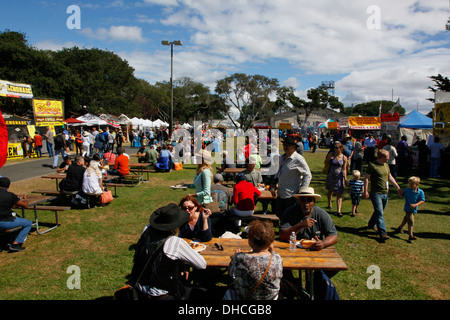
[395,105]
[381,105]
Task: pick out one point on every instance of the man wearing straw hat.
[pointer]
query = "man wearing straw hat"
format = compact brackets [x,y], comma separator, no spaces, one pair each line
[308,221]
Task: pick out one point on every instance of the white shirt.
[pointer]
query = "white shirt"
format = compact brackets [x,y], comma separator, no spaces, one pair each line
[91,184]
[293,174]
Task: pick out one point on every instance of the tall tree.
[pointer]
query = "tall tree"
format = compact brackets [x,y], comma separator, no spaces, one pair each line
[248,96]
[441,83]
[319,98]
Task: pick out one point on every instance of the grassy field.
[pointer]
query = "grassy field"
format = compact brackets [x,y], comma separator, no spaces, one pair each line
[100,243]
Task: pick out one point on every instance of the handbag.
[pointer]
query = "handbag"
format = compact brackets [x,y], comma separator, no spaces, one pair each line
[231,295]
[106,196]
[213,206]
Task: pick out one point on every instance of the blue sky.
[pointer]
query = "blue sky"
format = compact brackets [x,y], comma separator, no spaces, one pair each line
[371,49]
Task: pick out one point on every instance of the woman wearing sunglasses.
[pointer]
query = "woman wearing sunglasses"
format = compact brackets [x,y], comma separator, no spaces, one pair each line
[199,224]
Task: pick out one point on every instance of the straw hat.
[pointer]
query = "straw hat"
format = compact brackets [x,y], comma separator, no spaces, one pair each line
[307,192]
[205,155]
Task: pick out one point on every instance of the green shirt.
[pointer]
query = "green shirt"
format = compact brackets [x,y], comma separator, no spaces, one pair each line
[152,155]
[379,177]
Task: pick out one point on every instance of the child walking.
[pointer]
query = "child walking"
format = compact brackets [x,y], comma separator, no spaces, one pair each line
[413,198]
[356,187]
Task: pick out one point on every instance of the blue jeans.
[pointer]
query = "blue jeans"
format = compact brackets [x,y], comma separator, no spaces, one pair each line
[26,224]
[50,149]
[56,157]
[379,202]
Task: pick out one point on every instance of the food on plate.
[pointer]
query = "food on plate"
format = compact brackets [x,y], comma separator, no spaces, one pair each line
[197,246]
[307,243]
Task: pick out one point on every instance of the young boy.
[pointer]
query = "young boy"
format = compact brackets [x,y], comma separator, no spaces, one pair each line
[413,198]
[356,187]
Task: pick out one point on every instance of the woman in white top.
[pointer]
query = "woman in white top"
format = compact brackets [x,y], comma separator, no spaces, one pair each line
[92,180]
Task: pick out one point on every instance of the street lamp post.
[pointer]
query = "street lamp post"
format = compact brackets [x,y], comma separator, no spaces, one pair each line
[168,43]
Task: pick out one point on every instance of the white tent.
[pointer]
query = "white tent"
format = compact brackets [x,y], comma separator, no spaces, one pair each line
[90,119]
[124,119]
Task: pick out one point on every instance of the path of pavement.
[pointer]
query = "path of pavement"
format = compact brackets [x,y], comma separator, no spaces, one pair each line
[35,167]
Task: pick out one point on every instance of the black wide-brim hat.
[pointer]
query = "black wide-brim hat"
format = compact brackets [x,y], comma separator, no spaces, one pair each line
[290,141]
[168,218]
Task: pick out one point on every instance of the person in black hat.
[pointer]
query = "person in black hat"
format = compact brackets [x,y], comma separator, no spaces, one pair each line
[160,257]
[8,218]
[293,173]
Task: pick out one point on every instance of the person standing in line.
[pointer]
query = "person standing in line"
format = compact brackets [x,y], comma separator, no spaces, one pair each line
[436,150]
[38,144]
[379,175]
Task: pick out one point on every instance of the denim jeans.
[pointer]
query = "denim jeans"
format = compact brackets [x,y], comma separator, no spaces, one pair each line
[56,157]
[26,224]
[50,149]
[379,202]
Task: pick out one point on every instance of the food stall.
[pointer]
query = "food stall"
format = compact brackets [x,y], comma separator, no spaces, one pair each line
[359,126]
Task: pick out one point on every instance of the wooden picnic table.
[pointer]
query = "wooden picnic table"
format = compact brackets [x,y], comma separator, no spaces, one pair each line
[233,170]
[300,259]
[57,176]
[34,202]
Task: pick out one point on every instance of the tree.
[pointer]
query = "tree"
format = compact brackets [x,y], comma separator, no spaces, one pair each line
[441,83]
[372,108]
[248,95]
[319,98]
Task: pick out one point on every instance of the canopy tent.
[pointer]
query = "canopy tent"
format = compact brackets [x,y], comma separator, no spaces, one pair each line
[415,126]
[123,119]
[416,120]
[325,124]
[73,121]
[90,119]
[111,120]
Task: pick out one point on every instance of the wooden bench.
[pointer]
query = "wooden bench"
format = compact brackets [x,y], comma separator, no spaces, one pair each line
[116,185]
[47,192]
[121,179]
[271,217]
[54,209]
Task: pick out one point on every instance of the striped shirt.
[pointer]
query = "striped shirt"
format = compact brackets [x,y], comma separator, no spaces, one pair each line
[176,248]
[293,174]
[356,186]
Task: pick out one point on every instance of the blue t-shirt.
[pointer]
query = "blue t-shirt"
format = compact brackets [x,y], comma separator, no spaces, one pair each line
[356,186]
[412,197]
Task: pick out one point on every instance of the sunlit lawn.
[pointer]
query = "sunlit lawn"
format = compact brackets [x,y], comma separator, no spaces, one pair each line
[100,242]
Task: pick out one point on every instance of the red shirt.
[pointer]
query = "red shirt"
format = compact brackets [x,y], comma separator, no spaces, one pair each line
[37,140]
[244,195]
[121,164]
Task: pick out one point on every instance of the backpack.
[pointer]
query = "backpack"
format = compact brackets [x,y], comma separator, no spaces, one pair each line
[59,142]
[324,289]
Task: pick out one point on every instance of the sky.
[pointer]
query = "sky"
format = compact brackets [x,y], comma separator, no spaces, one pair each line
[372,50]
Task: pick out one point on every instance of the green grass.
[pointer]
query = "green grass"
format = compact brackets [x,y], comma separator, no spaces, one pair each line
[100,242]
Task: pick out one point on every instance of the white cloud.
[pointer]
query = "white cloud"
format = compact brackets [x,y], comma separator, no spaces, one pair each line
[115,33]
[54,46]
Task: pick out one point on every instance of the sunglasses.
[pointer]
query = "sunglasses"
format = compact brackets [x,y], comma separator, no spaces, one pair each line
[188,208]
[218,246]
[306,199]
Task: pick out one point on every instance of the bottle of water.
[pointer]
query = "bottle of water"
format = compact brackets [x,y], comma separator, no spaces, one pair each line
[293,241]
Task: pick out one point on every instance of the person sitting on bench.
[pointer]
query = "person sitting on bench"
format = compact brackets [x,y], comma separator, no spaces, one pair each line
[8,218]
[74,177]
[121,167]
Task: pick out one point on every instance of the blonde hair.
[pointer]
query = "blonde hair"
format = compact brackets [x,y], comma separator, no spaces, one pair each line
[415,180]
[356,174]
[93,169]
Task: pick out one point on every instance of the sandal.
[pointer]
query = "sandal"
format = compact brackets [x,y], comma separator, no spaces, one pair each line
[339,214]
[330,208]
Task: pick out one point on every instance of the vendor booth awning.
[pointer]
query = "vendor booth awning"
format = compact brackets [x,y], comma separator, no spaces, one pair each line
[15,90]
[71,121]
[416,120]
[90,119]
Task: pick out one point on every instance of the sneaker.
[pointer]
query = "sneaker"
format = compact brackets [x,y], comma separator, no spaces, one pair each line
[16,247]
[412,238]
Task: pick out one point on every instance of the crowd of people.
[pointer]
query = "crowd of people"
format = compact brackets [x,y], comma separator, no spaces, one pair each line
[161,253]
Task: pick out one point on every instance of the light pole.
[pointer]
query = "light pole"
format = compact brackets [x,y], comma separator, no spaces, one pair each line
[168,43]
